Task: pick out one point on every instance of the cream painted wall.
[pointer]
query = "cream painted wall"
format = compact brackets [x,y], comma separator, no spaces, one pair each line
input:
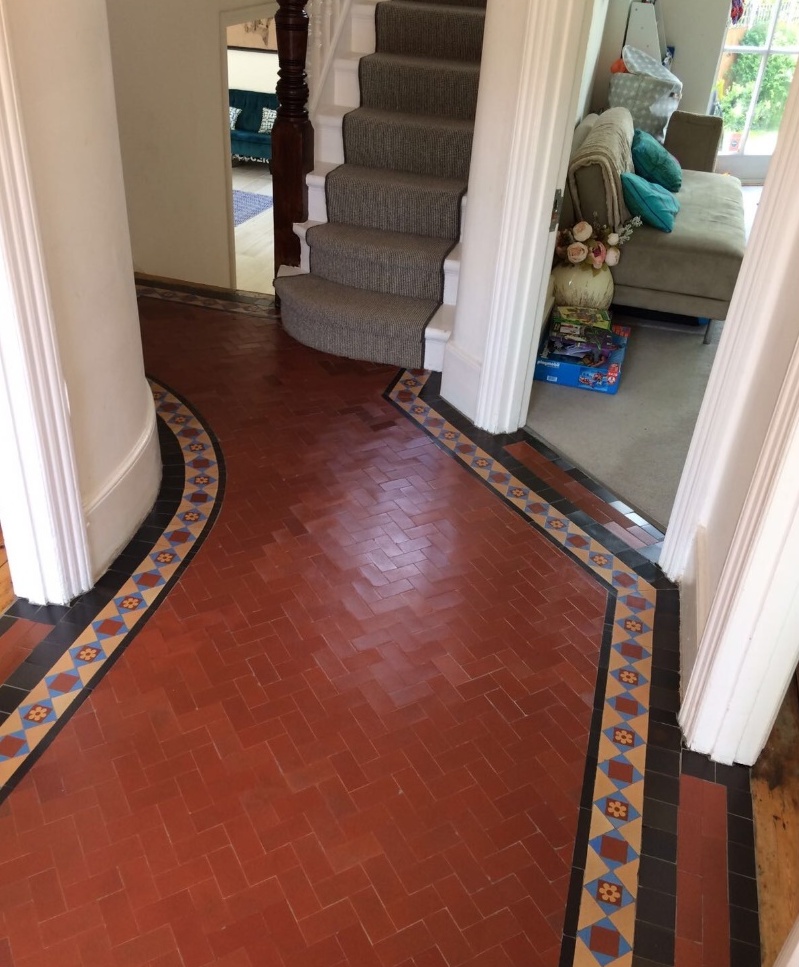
[696,32]
[170,73]
[66,99]
[252,70]
[596,35]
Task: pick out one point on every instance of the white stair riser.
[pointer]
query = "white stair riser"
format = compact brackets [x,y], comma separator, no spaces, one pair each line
[362,37]
[317,203]
[346,87]
[328,142]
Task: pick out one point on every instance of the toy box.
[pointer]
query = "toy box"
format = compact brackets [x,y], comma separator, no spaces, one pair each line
[600,379]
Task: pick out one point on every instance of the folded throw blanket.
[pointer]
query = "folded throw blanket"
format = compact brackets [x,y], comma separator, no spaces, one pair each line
[609,146]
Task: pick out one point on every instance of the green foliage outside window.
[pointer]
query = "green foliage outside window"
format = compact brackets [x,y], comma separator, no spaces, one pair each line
[776,81]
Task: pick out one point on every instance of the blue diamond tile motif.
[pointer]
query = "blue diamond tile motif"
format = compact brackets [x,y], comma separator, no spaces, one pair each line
[629,678]
[623,737]
[164,558]
[603,937]
[620,771]
[202,480]
[633,626]
[87,654]
[605,561]
[610,893]
[108,627]
[62,683]
[13,746]
[36,713]
[145,580]
[613,848]
[129,603]
[617,809]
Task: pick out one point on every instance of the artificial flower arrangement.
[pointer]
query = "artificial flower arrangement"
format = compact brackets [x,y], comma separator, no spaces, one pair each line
[597,245]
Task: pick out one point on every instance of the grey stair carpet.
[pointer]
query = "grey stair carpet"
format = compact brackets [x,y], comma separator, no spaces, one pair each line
[408,142]
[391,262]
[376,268]
[417,85]
[396,201]
[356,323]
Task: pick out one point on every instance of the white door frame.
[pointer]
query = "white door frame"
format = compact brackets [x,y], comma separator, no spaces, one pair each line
[40,503]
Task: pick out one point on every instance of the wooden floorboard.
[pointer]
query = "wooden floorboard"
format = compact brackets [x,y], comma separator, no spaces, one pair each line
[6,591]
[775,803]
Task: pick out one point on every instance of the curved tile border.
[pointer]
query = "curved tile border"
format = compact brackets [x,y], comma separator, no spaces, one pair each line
[50,702]
[607,856]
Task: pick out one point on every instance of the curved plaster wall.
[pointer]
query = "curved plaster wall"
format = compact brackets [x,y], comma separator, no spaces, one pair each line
[61,58]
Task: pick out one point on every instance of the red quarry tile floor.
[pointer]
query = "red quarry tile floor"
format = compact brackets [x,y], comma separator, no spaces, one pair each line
[354,733]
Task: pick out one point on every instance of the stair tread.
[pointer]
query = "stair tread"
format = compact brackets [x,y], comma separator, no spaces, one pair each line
[468,67]
[410,179]
[352,322]
[378,238]
[426,122]
[347,300]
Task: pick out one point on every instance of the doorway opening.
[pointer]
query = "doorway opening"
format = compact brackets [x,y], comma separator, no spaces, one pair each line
[252,68]
[635,443]
[757,65]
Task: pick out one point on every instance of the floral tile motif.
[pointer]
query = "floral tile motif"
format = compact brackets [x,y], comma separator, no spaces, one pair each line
[50,702]
[606,919]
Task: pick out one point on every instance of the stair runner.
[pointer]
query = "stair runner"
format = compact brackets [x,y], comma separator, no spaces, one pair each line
[376,268]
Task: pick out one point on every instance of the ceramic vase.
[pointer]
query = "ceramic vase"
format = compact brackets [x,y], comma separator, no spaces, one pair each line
[582,285]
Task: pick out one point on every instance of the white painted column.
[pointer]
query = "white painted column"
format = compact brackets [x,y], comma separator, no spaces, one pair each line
[529,86]
[40,508]
[90,389]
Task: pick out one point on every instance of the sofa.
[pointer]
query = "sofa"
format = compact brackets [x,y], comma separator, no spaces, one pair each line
[246,144]
[692,270]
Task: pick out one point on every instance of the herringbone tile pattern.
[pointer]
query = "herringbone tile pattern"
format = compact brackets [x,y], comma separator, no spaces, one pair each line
[355,732]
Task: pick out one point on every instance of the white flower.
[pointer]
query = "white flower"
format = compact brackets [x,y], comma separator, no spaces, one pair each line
[576,253]
[613,239]
[582,231]
[612,256]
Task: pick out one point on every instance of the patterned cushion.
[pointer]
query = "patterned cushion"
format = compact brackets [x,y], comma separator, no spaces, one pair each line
[234,116]
[653,162]
[656,206]
[267,120]
[649,91]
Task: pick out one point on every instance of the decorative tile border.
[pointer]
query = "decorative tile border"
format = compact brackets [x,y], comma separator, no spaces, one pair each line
[250,304]
[61,687]
[609,874]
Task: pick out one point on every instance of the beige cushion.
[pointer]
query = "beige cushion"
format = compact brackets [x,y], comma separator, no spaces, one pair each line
[703,254]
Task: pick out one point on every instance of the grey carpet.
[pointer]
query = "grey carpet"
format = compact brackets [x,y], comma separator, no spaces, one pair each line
[376,268]
[636,442]
[408,142]
[397,201]
[418,85]
[356,323]
[436,30]
[391,262]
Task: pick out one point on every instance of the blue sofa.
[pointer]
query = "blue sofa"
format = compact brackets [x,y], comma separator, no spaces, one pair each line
[246,144]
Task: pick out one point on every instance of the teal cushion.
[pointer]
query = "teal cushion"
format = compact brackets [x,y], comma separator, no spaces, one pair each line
[656,206]
[653,162]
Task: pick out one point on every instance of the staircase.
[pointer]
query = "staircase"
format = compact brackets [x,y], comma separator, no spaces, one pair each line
[378,279]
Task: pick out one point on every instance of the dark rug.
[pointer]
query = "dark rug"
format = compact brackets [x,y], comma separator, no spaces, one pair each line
[248,204]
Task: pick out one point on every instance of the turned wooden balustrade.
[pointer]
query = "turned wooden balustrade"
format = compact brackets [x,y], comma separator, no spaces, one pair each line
[292,134]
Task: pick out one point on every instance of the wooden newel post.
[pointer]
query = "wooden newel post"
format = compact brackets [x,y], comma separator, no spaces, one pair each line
[292,134]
